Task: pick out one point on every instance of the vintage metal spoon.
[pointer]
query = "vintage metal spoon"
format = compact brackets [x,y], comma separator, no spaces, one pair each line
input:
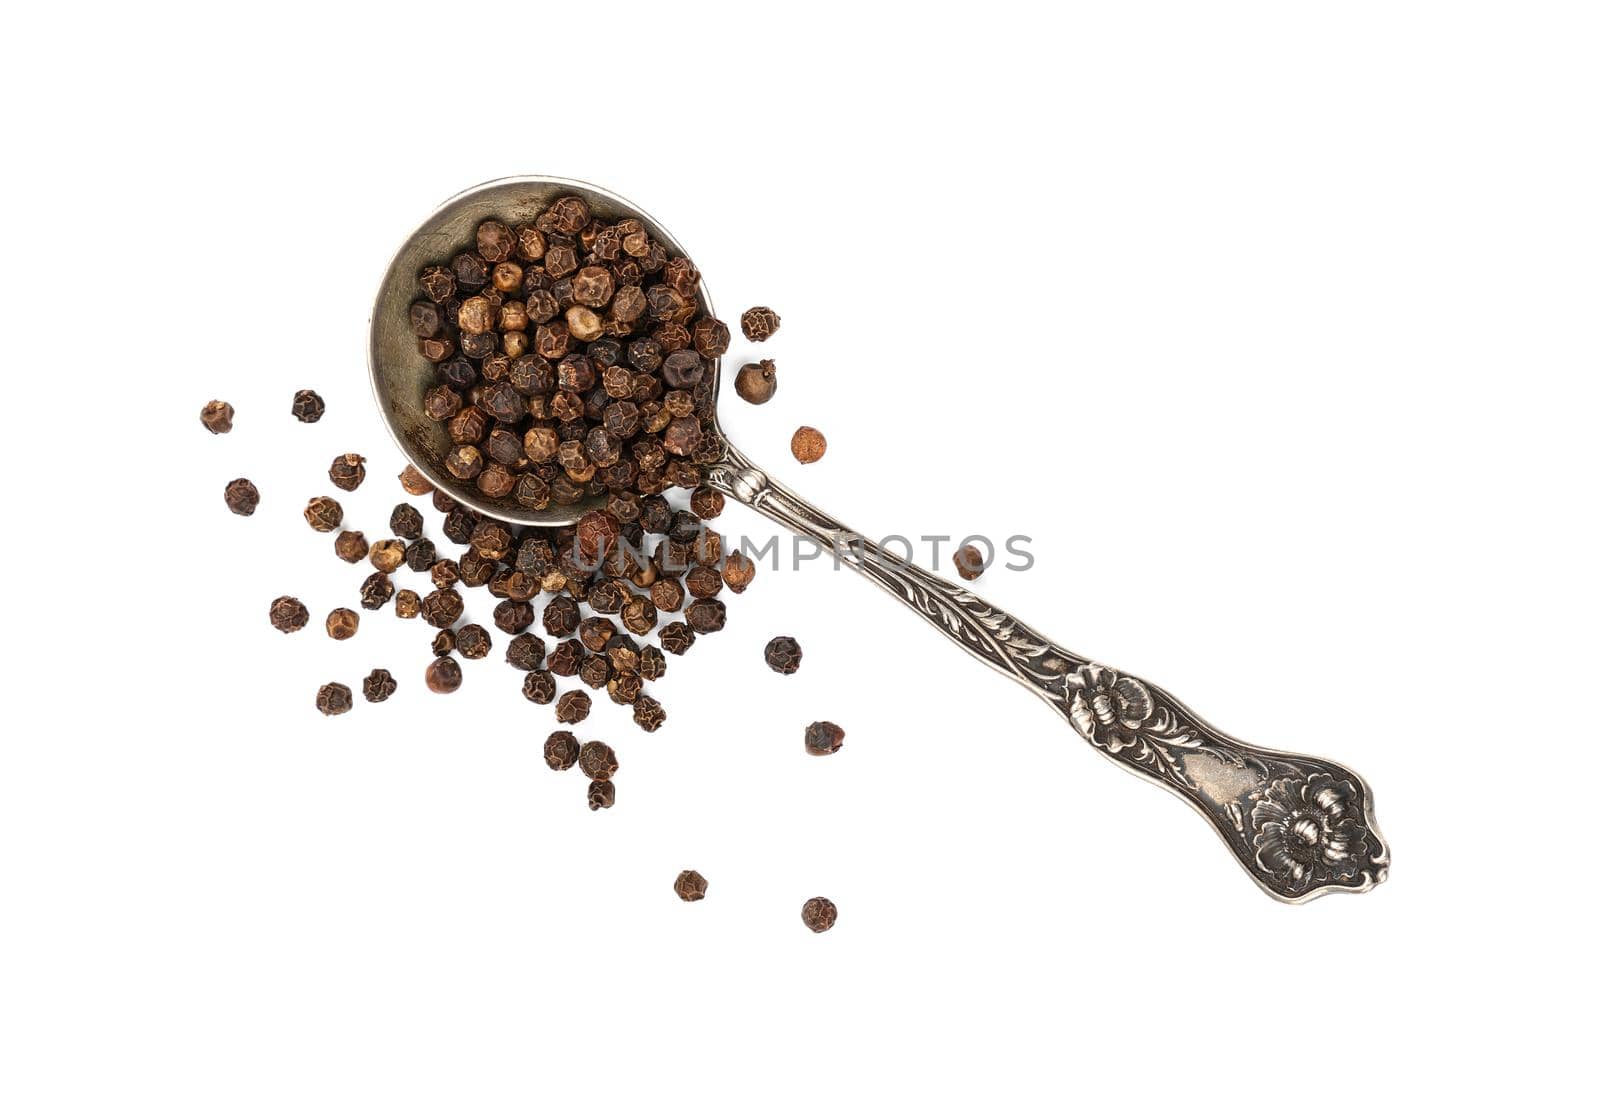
[1300,826]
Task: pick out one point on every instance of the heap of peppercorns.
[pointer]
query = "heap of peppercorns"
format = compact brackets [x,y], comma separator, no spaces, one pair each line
[572,360]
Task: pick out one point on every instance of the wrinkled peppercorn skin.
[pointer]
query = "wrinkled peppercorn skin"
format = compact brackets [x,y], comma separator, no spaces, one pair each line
[690,886]
[819,914]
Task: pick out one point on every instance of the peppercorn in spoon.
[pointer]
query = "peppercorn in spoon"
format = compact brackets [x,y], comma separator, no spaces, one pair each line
[458,375]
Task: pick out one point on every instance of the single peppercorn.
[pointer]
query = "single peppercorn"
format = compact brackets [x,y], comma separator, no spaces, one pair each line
[288,614]
[444,675]
[572,707]
[514,618]
[407,604]
[597,760]
[473,641]
[969,561]
[350,546]
[525,652]
[564,658]
[421,555]
[217,416]
[706,615]
[808,445]
[690,886]
[413,482]
[443,642]
[823,738]
[602,795]
[593,671]
[757,382]
[323,514]
[561,750]
[783,655]
[677,637]
[561,616]
[648,712]
[376,591]
[819,914]
[308,406]
[703,581]
[442,608]
[334,699]
[758,324]
[539,686]
[652,664]
[738,572]
[347,471]
[342,623]
[387,555]
[242,497]
[379,686]
[405,521]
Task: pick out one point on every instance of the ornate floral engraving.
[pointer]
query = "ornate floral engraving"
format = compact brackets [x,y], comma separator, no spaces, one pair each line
[1301,826]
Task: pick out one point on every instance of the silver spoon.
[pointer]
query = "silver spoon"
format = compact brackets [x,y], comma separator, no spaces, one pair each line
[1300,826]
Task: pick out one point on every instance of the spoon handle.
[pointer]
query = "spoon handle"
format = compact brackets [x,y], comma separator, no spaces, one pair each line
[1301,826]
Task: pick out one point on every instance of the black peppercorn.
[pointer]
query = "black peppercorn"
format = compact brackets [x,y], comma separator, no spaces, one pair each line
[572,707]
[823,738]
[343,623]
[593,671]
[561,750]
[564,658]
[444,675]
[595,632]
[288,614]
[624,688]
[350,546]
[308,406]
[783,655]
[707,502]
[819,914]
[347,471]
[514,617]
[387,555]
[539,686]
[405,521]
[242,497]
[597,760]
[648,712]
[421,555]
[473,641]
[525,652]
[323,514]
[379,686]
[334,699]
[442,608]
[677,637]
[217,416]
[703,581]
[758,324]
[561,616]
[690,886]
[407,604]
[443,642]
[376,591]
[639,615]
[738,572]
[413,482]
[652,664]
[757,382]
[602,795]
[706,615]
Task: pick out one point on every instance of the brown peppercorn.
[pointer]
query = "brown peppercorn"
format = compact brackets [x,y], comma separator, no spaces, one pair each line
[572,707]
[564,658]
[464,462]
[217,416]
[405,521]
[561,616]
[334,699]
[639,616]
[738,572]
[379,686]
[407,604]
[242,497]
[426,319]
[690,886]
[597,760]
[442,608]
[707,615]
[444,675]
[441,403]
[969,561]
[475,569]
[376,591]
[539,686]
[824,738]
[602,795]
[783,654]
[819,914]
[307,406]
[443,642]
[438,283]
[808,445]
[648,713]
[667,595]
[594,671]
[468,427]
[758,324]
[350,546]
[530,244]
[413,482]
[652,663]
[496,242]
[514,617]
[525,652]
[566,217]
[497,481]
[710,337]
[343,623]
[473,641]
[444,574]
[595,632]
[561,750]
[681,436]
[593,286]
[757,382]
[707,502]
[596,534]
[288,614]
[677,637]
[703,581]
[323,514]
[388,555]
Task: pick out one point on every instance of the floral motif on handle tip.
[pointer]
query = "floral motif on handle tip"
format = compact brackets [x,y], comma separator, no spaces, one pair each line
[1309,831]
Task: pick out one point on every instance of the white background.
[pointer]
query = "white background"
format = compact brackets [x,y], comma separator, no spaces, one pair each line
[1273,325]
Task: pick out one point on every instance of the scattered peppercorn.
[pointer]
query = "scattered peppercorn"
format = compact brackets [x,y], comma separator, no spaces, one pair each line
[738,572]
[783,654]
[334,699]
[602,795]
[539,686]
[757,382]
[350,546]
[442,608]
[343,623]
[677,637]
[217,416]
[242,497]
[347,471]
[379,686]
[473,641]
[969,561]
[808,445]
[443,642]
[648,712]
[572,707]
[819,914]
[407,604]
[759,324]
[413,482]
[376,591]
[707,615]
[444,675]
[387,555]
[324,514]
[288,614]
[308,406]
[561,750]
[690,886]
[405,521]
[824,738]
